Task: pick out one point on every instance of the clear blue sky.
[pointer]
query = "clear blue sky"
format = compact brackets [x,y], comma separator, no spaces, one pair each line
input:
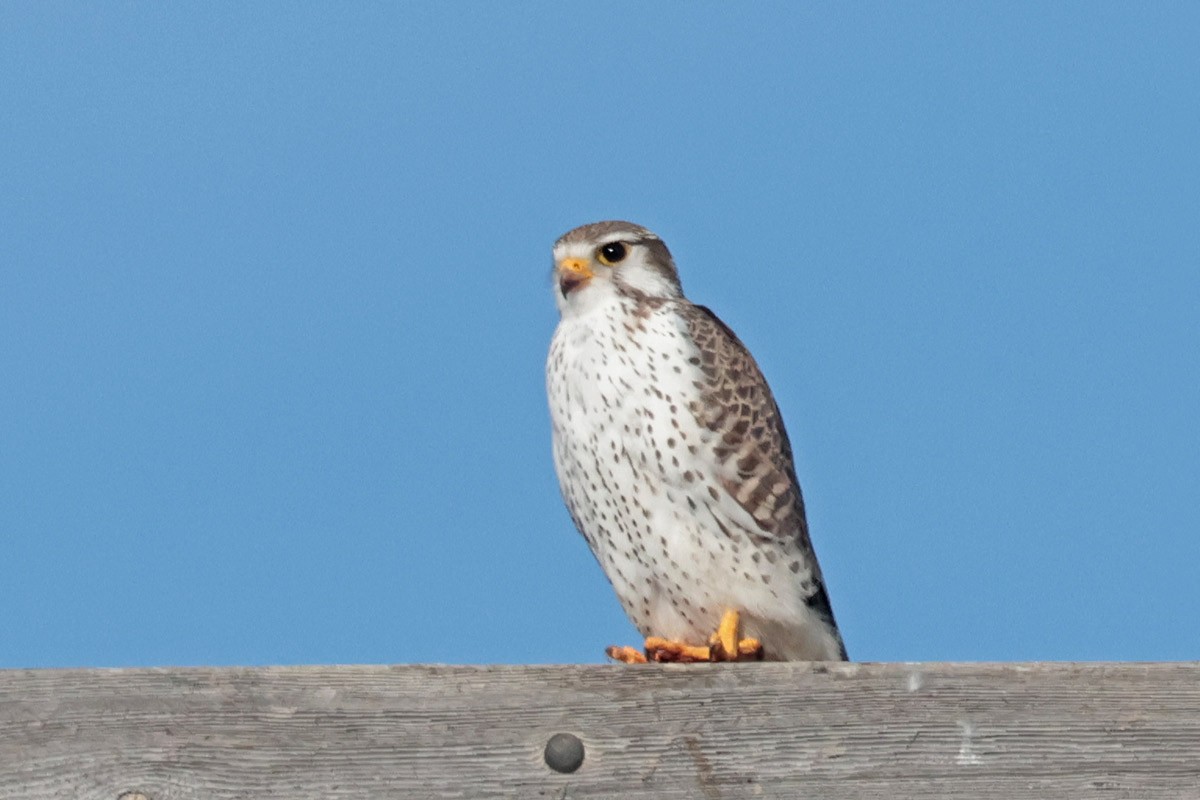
[274,305]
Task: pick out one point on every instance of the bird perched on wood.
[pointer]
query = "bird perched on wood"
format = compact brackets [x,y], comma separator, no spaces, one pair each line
[674,463]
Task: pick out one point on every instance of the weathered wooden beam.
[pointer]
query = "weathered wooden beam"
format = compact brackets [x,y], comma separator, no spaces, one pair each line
[976,731]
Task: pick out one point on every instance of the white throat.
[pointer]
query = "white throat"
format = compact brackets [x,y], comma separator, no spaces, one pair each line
[593,295]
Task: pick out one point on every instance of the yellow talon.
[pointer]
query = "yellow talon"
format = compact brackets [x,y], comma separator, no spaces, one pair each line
[659,649]
[728,644]
[626,655]
[728,634]
[750,647]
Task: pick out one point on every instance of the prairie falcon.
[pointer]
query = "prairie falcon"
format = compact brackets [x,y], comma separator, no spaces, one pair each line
[674,463]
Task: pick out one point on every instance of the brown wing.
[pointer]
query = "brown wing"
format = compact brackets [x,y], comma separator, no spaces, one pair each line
[737,405]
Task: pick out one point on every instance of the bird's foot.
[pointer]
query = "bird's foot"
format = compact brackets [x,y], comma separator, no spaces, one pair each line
[626,655]
[726,644]
[667,651]
[660,650]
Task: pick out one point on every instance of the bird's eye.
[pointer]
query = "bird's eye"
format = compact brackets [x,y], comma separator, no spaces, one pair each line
[612,253]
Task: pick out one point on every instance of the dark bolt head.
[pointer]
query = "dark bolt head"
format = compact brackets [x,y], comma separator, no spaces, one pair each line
[564,752]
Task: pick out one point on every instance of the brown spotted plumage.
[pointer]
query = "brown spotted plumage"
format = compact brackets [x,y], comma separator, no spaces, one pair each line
[673,458]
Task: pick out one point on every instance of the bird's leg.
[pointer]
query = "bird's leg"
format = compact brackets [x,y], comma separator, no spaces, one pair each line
[727,643]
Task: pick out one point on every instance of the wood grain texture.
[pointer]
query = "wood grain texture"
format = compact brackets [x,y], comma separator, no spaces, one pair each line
[978,731]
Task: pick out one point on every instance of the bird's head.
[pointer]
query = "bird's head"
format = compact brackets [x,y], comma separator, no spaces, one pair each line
[603,260]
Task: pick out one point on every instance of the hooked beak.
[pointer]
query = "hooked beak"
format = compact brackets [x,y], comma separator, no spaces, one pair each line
[572,273]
